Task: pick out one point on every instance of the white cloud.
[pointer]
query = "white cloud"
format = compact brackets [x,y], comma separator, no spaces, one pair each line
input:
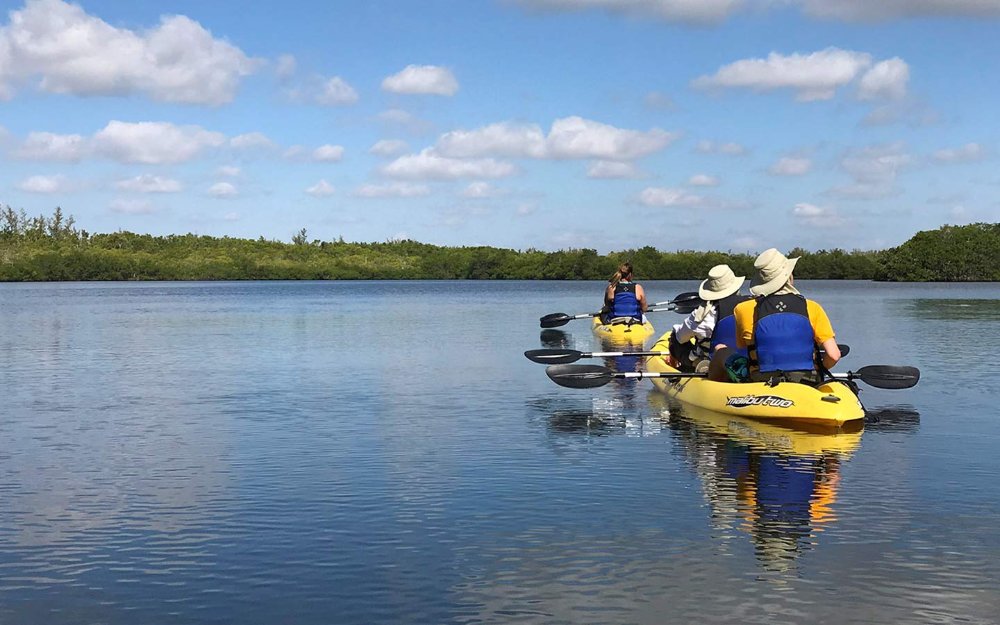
[71,52]
[336,92]
[252,141]
[321,189]
[815,76]
[148,183]
[328,153]
[703,180]
[154,143]
[791,166]
[568,138]
[869,10]
[223,190]
[480,190]
[132,207]
[613,170]
[45,184]
[428,165]
[46,146]
[395,189]
[874,170]
[422,80]
[967,153]
[388,148]
[728,149]
[228,171]
[689,11]
[885,81]
[816,216]
[668,197]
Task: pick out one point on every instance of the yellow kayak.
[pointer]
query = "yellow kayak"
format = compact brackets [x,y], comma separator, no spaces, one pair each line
[623,332]
[830,404]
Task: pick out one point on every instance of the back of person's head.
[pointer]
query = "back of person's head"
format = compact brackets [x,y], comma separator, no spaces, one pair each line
[624,273]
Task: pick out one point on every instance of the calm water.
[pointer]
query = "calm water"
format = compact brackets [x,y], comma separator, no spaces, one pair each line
[382,452]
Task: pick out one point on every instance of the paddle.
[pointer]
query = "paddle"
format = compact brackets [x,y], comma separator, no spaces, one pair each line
[592,376]
[683,303]
[566,356]
[883,376]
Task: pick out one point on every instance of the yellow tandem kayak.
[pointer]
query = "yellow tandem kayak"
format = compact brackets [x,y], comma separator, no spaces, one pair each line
[623,332]
[832,404]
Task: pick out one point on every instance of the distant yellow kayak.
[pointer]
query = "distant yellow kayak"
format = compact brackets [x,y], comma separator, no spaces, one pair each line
[833,403]
[623,332]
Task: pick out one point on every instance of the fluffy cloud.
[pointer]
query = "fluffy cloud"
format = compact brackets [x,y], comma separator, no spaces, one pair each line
[703,180]
[816,216]
[46,146]
[728,149]
[965,154]
[252,141]
[815,76]
[45,184]
[153,143]
[613,170]
[669,197]
[568,138]
[223,190]
[388,148]
[321,189]
[480,190]
[422,80]
[132,207]
[395,189]
[69,51]
[428,165]
[148,183]
[690,11]
[336,92]
[868,10]
[791,166]
[328,153]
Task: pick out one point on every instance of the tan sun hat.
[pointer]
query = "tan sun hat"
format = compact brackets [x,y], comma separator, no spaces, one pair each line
[721,282]
[773,271]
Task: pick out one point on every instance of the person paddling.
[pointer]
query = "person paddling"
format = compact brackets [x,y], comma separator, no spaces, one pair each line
[712,325]
[623,298]
[780,328]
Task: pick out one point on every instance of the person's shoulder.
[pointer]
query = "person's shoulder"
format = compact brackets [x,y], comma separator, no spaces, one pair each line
[746,304]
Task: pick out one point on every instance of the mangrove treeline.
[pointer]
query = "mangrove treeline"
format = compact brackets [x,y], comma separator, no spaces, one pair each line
[47,248]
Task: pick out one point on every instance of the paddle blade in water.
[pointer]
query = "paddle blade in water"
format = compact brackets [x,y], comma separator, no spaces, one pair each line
[579,376]
[554,320]
[553,356]
[889,376]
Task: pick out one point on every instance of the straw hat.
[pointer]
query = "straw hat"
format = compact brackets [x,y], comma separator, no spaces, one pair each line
[721,282]
[773,272]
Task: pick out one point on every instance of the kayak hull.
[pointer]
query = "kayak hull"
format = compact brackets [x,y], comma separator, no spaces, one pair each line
[623,332]
[831,404]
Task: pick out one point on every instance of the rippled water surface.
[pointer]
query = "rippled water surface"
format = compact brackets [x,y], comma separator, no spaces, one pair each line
[382,452]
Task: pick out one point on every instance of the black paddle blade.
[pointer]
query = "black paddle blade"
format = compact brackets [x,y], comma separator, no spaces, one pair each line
[889,376]
[554,320]
[579,376]
[686,308]
[553,356]
[844,349]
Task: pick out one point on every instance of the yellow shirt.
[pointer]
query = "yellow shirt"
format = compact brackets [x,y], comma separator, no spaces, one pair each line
[822,330]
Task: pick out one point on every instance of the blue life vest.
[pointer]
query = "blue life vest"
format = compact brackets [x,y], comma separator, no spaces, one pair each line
[724,332]
[625,303]
[783,335]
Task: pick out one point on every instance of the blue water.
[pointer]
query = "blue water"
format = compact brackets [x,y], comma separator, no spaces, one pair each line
[382,452]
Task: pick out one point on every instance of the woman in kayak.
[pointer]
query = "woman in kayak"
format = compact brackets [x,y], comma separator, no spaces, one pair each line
[780,328]
[711,325]
[623,299]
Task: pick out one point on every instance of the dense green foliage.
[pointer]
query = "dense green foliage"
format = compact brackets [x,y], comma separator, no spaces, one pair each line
[52,248]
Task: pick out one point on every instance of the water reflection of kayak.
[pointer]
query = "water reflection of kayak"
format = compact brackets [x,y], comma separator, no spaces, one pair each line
[831,404]
[622,333]
[778,484]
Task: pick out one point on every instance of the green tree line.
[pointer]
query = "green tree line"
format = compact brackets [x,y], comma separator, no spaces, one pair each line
[47,248]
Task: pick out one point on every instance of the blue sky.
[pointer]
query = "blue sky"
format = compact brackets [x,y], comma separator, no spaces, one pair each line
[612,124]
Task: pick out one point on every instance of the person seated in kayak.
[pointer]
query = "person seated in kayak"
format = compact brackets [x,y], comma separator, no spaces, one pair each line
[711,325]
[780,328]
[623,299]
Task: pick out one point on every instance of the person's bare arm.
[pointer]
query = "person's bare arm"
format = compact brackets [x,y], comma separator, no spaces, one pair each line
[831,353]
[640,295]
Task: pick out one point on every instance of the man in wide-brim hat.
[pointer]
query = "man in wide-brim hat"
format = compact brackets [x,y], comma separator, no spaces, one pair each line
[711,325]
[780,328]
